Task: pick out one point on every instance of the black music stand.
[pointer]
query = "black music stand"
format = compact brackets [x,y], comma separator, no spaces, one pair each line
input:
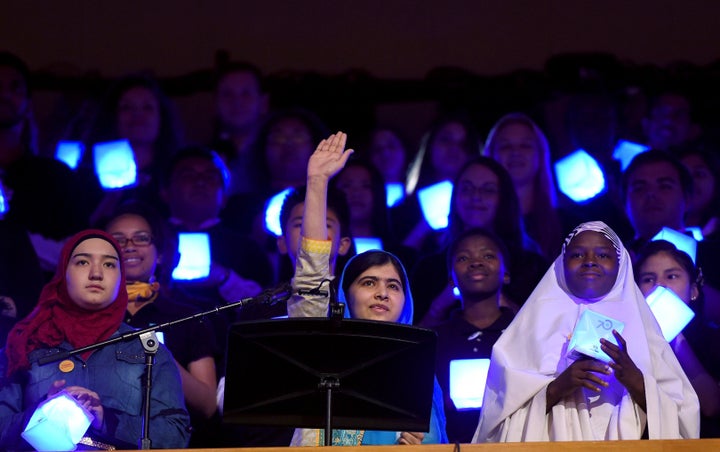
[330,373]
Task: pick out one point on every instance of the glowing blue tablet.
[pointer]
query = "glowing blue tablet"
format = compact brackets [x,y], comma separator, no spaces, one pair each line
[681,241]
[696,233]
[625,151]
[579,176]
[194,248]
[363,244]
[589,329]
[58,423]
[394,192]
[670,311]
[468,378]
[435,203]
[272,212]
[69,152]
[115,164]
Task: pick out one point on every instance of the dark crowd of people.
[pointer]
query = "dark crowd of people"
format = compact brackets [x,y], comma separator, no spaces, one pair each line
[504,279]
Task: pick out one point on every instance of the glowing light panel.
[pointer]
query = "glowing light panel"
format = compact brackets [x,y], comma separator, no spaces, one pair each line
[670,311]
[590,328]
[681,241]
[194,248]
[115,164]
[69,152]
[58,423]
[272,212]
[435,203]
[363,244]
[625,151]
[394,192]
[468,378]
[579,176]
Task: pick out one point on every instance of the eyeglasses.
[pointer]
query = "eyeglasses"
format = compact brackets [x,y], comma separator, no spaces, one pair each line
[139,239]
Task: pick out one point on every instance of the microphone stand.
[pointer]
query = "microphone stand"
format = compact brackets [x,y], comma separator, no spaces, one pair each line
[151,344]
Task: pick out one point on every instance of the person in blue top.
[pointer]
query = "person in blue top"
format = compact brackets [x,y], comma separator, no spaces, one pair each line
[373,285]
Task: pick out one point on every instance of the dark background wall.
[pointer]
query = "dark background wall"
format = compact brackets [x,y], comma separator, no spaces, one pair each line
[389,39]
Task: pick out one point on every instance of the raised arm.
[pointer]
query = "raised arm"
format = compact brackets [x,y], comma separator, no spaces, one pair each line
[329,157]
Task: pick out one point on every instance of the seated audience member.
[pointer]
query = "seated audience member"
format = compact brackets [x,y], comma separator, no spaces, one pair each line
[483,196]
[240,104]
[84,304]
[373,285]
[135,109]
[476,260]
[42,188]
[448,144]
[21,277]
[660,263]
[389,154]
[669,121]
[291,214]
[522,149]
[538,391]
[147,249]
[366,196]
[195,191]
[281,149]
[657,191]
[703,207]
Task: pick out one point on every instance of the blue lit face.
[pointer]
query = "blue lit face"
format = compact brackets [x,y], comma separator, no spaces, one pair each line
[240,102]
[356,183]
[388,155]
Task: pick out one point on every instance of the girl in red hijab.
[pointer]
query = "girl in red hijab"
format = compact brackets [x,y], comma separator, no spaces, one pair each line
[83,304]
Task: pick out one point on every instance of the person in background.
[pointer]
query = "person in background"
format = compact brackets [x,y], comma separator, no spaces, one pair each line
[476,261]
[483,196]
[538,391]
[660,263]
[669,121]
[522,149]
[448,145]
[40,187]
[241,102]
[137,110]
[82,305]
[703,210]
[147,250]
[388,152]
[373,285]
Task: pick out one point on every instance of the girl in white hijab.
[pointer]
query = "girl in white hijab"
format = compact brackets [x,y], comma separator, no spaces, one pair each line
[537,392]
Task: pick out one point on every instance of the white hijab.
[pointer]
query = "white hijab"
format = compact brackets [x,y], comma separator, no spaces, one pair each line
[531,353]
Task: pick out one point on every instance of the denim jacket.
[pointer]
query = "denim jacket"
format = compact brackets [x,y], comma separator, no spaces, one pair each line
[116,374]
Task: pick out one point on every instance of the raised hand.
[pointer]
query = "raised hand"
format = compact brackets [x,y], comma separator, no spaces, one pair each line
[329,157]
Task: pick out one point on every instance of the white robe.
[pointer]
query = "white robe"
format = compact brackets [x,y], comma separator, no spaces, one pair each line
[531,353]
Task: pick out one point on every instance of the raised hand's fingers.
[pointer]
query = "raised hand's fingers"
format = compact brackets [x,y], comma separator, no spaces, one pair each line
[620,339]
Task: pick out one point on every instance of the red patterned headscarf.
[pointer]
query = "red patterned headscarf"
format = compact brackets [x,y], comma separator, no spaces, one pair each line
[57,318]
